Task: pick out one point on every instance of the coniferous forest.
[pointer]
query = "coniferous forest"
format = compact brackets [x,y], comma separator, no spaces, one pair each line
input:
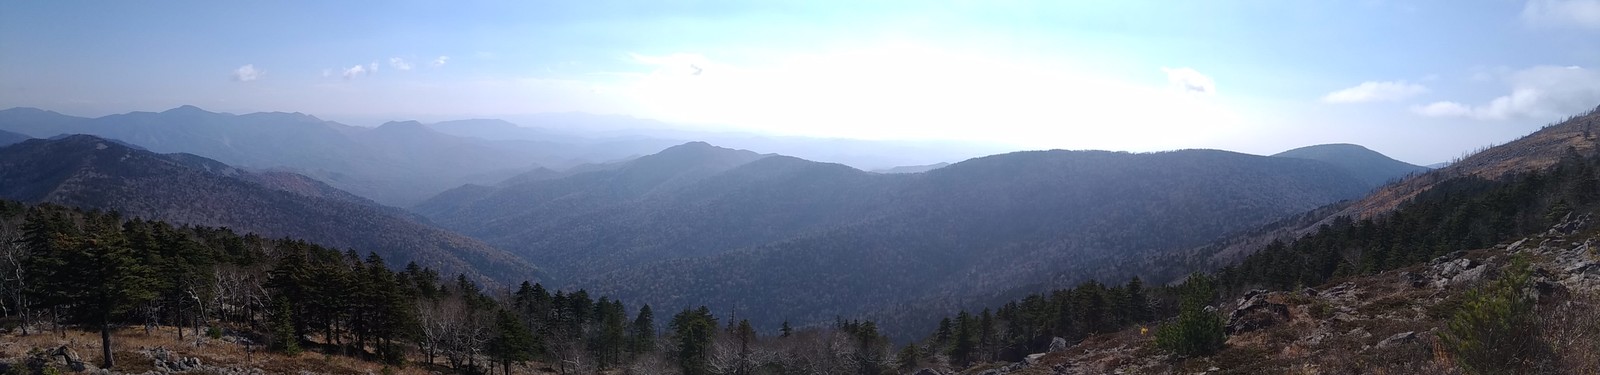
[72,269]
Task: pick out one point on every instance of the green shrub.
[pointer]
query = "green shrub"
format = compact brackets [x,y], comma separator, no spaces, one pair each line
[1196,331]
[1495,330]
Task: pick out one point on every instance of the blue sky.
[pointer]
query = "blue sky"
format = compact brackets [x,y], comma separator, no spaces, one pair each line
[1422,81]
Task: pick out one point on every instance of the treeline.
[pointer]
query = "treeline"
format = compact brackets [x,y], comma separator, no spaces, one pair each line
[1457,214]
[1031,324]
[62,267]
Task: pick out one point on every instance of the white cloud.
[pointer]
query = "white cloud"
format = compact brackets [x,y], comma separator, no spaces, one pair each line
[246,73]
[1537,92]
[1189,80]
[399,63]
[1562,13]
[440,61]
[1373,91]
[356,72]
[1442,109]
[372,68]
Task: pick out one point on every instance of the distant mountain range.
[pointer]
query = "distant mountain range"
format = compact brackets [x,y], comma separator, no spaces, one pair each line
[398,163]
[776,236]
[95,173]
[913,168]
[782,238]
[9,138]
[1370,166]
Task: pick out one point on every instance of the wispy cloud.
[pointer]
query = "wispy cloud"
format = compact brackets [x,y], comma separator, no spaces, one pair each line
[1190,80]
[356,72]
[1540,91]
[440,61]
[1374,91]
[246,73]
[1562,13]
[399,63]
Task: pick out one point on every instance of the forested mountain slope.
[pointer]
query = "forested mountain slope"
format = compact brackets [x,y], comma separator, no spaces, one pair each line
[737,231]
[1370,166]
[1541,149]
[90,172]
[8,138]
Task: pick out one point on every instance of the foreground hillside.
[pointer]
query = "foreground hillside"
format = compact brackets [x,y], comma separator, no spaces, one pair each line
[1397,322]
[93,173]
[737,230]
[1539,150]
[1479,275]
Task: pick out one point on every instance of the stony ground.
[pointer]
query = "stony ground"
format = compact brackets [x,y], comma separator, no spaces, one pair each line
[1381,324]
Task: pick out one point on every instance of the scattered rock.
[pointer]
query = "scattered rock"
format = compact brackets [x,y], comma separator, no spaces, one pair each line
[1415,280]
[1255,312]
[927,371]
[1032,358]
[1516,246]
[1469,276]
[1581,267]
[69,357]
[1398,338]
[1359,332]
[1057,344]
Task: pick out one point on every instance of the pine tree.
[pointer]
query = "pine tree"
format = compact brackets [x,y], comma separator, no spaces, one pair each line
[512,341]
[1196,331]
[908,358]
[642,332]
[944,338]
[965,342]
[1138,309]
[786,330]
[284,339]
[94,277]
[694,331]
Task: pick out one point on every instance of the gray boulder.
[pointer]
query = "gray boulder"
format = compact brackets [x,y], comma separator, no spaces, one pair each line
[1058,344]
[1255,313]
[1398,339]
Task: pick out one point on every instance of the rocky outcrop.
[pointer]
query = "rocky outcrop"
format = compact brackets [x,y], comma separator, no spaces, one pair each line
[69,357]
[1256,312]
[1058,344]
[168,362]
[1398,339]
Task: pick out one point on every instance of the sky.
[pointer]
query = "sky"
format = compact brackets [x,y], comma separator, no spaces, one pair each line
[1422,81]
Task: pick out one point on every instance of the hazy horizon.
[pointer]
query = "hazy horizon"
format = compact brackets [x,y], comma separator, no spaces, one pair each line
[1422,82]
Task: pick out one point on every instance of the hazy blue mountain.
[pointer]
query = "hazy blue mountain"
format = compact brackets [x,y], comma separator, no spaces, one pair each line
[913,168]
[623,131]
[8,138]
[784,238]
[1370,166]
[398,164]
[94,173]
[1438,165]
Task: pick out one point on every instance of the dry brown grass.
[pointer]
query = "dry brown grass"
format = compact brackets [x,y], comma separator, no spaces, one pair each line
[128,342]
[1572,329]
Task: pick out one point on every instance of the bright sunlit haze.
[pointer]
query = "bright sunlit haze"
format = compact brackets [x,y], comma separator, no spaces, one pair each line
[1421,81]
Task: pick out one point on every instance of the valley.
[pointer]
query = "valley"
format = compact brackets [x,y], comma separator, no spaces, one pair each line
[799,188]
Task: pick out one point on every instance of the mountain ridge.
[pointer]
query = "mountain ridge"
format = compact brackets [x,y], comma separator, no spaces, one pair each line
[91,172]
[755,228]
